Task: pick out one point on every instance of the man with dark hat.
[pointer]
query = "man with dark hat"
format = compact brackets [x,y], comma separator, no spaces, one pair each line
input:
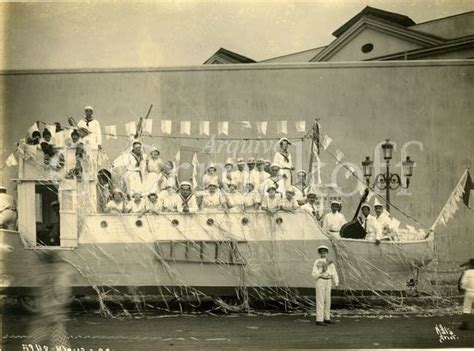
[324,271]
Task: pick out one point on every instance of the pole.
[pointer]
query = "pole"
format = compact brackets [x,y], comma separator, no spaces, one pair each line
[314,140]
[387,187]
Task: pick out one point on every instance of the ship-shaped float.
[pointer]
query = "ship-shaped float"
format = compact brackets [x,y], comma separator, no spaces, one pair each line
[213,253]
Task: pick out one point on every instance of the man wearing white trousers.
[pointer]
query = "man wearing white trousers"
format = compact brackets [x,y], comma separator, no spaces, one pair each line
[324,271]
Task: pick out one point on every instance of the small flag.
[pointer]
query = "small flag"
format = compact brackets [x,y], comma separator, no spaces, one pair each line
[245,124]
[262,128]
[361,188]
[349,172]
[11,161]
[166,126]
[204,128]
[177,157]
[468,186]
[300,126]
[131,128]
[147,126]
[282,127]
[195,163]
[110,132]
[185,127]
[33,128]
[223,128]
[326,142]
[339,156]
[120,161]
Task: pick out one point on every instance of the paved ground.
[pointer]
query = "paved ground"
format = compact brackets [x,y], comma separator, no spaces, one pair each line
[155,331]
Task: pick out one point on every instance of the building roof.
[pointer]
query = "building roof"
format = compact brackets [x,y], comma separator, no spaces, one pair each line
[455,26]
[393,17]
[223,56]
[300,56]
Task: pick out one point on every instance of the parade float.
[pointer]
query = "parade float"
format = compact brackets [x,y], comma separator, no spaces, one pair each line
[208,253]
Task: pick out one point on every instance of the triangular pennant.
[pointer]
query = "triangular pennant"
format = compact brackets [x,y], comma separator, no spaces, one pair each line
[245,124]
[185,127]
[339,156]
[204,128]
[11,161]
[166,126]
[147,126]
[110,132]
[223,128]
[349,172]
[33,128]
[300,126]
[326,142]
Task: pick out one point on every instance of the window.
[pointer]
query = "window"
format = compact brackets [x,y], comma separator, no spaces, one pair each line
[366,48]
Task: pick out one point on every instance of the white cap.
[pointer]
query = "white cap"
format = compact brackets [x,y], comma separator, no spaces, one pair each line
[365,204]
[311,191]
[272,187]
[211,184]
[336,202]
[290,189]
[240,161]
[284,139]
[274,165]
[377,203]
[117,190]
[323,247]
[229,161]
[88,108]
[212,165]
[301,171]
[185,183]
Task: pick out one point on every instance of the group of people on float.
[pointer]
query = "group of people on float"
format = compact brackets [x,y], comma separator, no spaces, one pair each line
[152,185]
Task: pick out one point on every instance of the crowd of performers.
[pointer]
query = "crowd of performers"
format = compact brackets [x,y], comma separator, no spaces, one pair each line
[149,185]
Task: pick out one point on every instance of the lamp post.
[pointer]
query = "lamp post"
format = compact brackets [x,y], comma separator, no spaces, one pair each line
[388,181]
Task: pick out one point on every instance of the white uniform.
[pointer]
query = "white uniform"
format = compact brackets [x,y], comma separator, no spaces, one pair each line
[300,192]
[137,207]
[253,177]
[262,175]
[239,179]
[154,165]
[135,174]
[167,179]
[289,205]
[212,201]
[467,283]
[286,164]
[7,210]
[385,224]
[227,177]
[271,204]
[153,207]
[250,199]
[371,226]
[114,207]
[169,202]
[332,223]
[326,276]
[209,179]
[312,209]
[277,182]
[234,201]
[94,139]
[189,202]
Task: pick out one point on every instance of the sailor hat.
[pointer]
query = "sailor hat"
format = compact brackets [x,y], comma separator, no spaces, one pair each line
[260,160]
[377,203]
[301,172]
[229,162]
[90,108]
[240,161]
[185,183]
[284,139]
[323,247]
[336,202]
[212,165]
[251,160]
[311,191]
[365,204]
[273,165]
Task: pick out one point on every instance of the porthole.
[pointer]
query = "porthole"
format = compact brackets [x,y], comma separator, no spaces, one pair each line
[175,222]
[366,48]
[210,221]
[103,224]
[245,221]
[279,220]
[139,223]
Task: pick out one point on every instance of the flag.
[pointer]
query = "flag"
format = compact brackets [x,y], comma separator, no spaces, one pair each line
[147,126]
[327,140]
[195,163]
[204,128]
[245,124]
[11,161]
[131,128]
[282,127]
[317,162]
[177,158]
[33,128]
[300,126]
[468,186]
[262,128]
[339,156]
[223,128]
[110,132]
[51,128]
[166,126]
[349,172]
[185,127]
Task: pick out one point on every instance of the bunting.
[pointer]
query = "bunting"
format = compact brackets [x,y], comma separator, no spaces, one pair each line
[110,132]
[204,128]
[282,127]
[327,140]
[300,126]
[166,126]
[262,128]
[147,126]
[131,128]
[245,124]
[339,156]
[223,128]
[11,161]
[185,127]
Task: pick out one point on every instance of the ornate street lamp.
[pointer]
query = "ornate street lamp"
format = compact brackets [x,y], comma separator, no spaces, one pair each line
[388,181]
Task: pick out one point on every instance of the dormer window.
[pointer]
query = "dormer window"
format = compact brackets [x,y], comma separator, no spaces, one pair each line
[366,48]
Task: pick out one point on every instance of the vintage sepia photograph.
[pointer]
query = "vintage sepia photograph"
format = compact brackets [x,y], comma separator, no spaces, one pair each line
[223,175]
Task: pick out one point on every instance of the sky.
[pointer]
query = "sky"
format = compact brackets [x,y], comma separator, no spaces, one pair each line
[153,34]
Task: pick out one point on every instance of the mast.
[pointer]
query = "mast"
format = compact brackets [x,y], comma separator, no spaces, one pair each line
[315,142]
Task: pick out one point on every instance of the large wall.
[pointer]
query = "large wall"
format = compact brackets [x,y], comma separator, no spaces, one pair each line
[360,104]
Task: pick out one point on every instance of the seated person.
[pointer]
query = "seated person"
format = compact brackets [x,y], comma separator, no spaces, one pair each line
[271,201]
[233,200]
[186,200]
[311,206]
[289,202]
[168,199]
[385,222]
[212,199]
[118,204]
[152,205]
[369,223]
[167,176]
[137,205]
[251,197]
[210,177]
[154,163]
